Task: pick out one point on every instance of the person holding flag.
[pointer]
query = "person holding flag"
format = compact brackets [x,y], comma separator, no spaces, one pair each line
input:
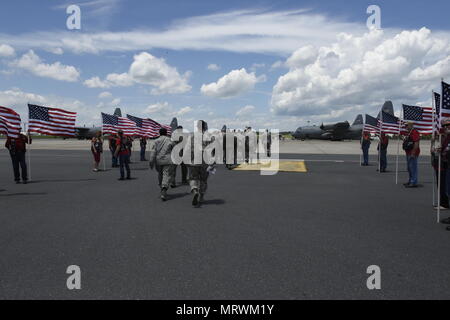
[97,149]
[17,150]
[122,153]
[365,145]
[382,148]
[411,146]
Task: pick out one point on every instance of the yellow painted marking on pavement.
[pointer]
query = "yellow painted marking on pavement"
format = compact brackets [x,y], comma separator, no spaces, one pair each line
[282,166]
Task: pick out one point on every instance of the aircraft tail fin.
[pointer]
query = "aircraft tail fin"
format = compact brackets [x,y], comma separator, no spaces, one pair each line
[388,107]
[359,120]
[174,124]
[118,112]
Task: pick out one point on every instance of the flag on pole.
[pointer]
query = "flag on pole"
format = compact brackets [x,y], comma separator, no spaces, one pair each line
[389,123]
[445,110]
[371,125]
[51,121]
[437,111]
[112,124]
[422,117]
[9,122]
[147,127]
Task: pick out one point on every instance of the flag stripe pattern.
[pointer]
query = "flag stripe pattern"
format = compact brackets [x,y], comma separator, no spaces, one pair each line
[112,124]
[437,108]
[422,117]
[445,111]
[51,121]
[389,124]
[371,125]
[147,127]
[9,122]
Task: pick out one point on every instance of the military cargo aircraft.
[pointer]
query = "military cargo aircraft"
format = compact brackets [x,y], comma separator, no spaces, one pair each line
[338,131]
[334,132]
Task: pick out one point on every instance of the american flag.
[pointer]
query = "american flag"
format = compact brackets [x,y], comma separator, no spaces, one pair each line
[445,110]
[389,123]
[147,127]
[51,121]
[422,117]
[9,122]
[437,108]
[112,124]
[371,125]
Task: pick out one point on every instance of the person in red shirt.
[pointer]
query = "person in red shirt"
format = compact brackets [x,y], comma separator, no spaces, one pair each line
[383,147]
[411,146]
[17,149]
[97,149]
[123,154]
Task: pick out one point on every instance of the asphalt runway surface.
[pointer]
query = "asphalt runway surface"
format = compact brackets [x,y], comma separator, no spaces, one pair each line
[289,236]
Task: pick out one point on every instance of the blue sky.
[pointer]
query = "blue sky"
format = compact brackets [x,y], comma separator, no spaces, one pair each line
[236,62]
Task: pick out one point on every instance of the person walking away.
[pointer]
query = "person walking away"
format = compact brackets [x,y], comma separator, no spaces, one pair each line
[17,150]
[365,145]
[97,149]
[184,169]
[383,148]
[112,147]
[123,154]
[161,159]
[411,145]
[199,173]
[143,144]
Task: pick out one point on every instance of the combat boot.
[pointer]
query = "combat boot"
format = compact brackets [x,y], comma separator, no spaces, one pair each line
[195,199]
[164,194]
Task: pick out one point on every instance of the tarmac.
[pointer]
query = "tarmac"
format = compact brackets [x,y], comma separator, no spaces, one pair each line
[303,235]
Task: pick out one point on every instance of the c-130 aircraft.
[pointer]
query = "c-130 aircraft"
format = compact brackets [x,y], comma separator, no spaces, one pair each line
[338,131]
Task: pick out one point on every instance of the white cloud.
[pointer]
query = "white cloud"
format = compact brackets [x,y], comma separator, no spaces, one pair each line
[245,111]
[183,111]
[96,82]
[256,31]
[6,50]
[213,67]
[256,66]
[277,64]
[32,63]
[57,51]
[149,70]
[110,105]
[357,74]
[105,95]
[160,107]
[302,57]
[232,84]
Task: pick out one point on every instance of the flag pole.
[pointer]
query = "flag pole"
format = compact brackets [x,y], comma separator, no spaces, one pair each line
[29,150]
[440,157]
[103,154]
[398,150]
[379,142]
[360,147]
[433,147]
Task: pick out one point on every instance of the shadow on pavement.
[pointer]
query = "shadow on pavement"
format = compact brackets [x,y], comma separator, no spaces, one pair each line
[174,196]
[24,194]
[61,180]
[216,202]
